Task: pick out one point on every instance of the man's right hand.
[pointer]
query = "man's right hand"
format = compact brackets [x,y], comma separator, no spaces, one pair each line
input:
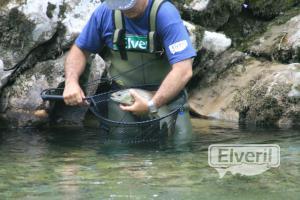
[73,94]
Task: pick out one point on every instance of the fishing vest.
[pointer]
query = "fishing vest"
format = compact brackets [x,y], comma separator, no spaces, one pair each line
[137,59]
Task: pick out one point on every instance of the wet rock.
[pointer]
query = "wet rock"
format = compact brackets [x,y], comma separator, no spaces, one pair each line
[252,92]
[280,42]
[267,100]
[62,115]
[24,105]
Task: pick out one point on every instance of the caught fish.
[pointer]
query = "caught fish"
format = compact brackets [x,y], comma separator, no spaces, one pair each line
[125,97]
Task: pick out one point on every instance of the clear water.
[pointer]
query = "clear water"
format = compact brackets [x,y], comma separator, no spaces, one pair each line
[75,164]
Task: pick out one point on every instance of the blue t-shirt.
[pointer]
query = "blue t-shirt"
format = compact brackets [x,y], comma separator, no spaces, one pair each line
[170,29]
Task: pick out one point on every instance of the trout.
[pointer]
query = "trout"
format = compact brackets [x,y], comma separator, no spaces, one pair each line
[124,97]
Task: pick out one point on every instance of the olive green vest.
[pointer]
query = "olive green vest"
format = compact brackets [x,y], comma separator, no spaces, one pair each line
[137,59]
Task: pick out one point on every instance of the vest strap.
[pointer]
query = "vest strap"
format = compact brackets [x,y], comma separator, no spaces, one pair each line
[119,33]
[154,44]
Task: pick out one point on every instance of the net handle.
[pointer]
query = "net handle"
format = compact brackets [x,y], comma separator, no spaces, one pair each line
[54,97]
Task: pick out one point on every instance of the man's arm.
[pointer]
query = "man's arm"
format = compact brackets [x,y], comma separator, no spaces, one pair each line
[173,83]
[74,67]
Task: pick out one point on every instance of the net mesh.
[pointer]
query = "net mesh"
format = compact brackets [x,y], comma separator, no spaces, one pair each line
[126,127]
[120,126]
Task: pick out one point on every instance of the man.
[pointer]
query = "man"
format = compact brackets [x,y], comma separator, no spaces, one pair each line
[133,31]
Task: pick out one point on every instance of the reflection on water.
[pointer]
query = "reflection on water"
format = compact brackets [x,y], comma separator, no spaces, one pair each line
[75,164]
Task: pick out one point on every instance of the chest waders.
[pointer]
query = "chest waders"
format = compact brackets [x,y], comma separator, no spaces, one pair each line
[139,60]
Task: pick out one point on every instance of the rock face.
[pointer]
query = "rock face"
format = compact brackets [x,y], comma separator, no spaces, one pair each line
[23,28]
[269,9]
[31,33]
[210,13]
[272,97]
[26,27]
[280,42]
[258,83]
[24,105]
[252,92]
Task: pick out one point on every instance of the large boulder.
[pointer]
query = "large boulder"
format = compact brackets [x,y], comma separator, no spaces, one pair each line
[203,39]
[32,31]
[280,42]
[22,103]
[262,93]
[34,36]
[74,15]
[22,29]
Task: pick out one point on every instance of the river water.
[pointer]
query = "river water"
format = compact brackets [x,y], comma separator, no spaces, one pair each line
[73,163]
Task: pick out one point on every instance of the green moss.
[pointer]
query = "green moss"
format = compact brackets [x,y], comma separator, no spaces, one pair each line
[246,27]
[50,8]
[271,8]
[5,2]
[62,10]
[15,29]
[260,105]
[215,15]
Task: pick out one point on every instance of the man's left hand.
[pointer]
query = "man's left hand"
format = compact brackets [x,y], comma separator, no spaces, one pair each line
[140,105]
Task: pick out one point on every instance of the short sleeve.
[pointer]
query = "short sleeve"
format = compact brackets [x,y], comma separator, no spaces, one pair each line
[173,34]
[90,37]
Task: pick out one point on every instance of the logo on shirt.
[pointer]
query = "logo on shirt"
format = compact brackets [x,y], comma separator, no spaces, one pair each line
[135,42]
[178,46]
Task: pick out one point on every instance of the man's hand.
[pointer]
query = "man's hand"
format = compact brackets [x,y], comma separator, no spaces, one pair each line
[73,94]
[140,105]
